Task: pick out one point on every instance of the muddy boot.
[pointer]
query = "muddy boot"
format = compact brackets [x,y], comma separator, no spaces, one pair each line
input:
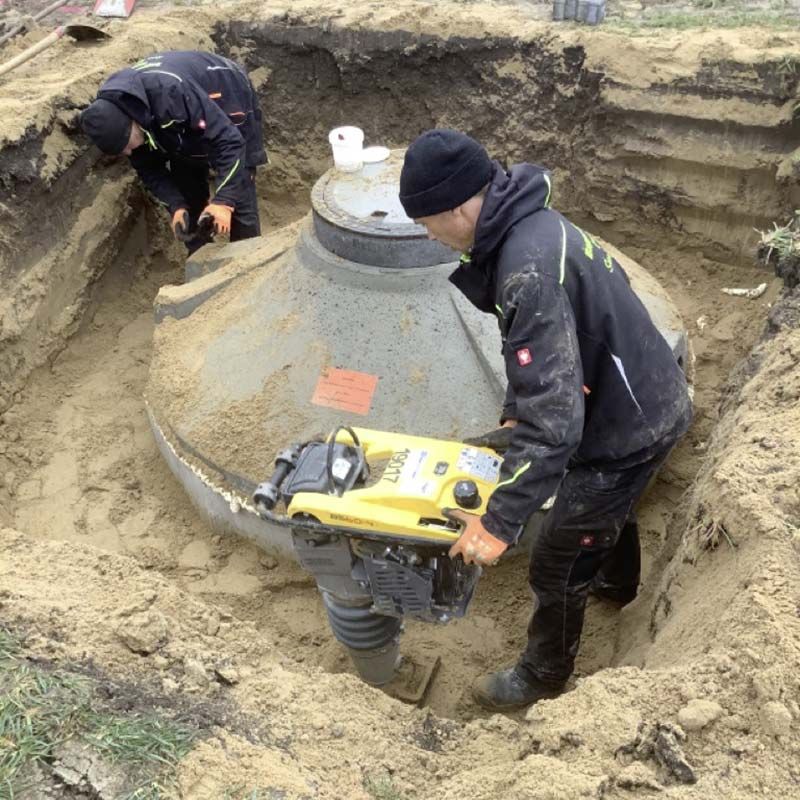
[507,690]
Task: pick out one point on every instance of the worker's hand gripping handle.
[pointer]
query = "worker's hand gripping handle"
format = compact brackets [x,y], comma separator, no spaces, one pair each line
[215,219]
[205,227]
[498,440]
[267,494]
[475,544]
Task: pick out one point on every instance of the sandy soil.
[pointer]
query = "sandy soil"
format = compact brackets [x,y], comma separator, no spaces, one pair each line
[89,472]
[100,537]
[717,688]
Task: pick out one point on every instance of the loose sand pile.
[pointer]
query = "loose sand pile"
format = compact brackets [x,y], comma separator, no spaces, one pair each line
[704,688]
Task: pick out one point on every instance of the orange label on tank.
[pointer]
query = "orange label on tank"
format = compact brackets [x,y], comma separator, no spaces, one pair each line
[345,390]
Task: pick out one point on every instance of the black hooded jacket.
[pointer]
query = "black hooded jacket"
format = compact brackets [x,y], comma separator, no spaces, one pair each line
[590,378]
[196,107]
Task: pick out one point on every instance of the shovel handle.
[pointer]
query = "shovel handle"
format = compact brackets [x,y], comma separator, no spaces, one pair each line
[51,38]
[36,17]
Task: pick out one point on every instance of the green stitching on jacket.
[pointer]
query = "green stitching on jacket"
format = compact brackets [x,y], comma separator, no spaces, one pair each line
[228,176]
[516,475]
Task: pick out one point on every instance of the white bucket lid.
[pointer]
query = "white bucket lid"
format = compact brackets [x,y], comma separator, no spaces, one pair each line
[374,154]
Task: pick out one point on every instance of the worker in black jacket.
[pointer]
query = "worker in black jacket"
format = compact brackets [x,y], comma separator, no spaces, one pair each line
[178,115]
[595,402]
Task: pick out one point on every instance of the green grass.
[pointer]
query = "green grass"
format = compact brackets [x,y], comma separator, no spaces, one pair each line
[40,709]
[242,792]
[713,14]
[789,66]
[9,646]
[382,788]
[147,746]
[783,241]
[681,21]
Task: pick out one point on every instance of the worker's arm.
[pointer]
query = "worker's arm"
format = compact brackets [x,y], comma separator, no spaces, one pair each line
[225,145]
[152,169]
[509,406]
[498,440]
[544,371]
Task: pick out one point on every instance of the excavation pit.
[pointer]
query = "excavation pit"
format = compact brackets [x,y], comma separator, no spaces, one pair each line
[673,154]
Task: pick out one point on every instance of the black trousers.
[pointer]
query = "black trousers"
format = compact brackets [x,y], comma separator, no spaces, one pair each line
[589,533]
[193,183]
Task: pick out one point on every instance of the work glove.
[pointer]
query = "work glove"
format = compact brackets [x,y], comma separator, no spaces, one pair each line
[498,440]
[220,215]
[180,225]
[475,545]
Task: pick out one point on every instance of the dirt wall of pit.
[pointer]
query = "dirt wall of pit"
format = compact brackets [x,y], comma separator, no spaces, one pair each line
[693,138]
[658,141]
[727,577]
[68,213]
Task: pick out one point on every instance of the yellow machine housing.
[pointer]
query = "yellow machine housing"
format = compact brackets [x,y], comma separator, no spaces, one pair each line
[411,480]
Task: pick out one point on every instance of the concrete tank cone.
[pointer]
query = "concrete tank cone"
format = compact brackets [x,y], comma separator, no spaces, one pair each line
[347,318]
[288,337]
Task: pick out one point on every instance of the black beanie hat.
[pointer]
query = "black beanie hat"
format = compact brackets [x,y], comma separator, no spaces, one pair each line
[107,125]
[442,169]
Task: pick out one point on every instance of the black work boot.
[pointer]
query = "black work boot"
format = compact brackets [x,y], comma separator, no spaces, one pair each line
[614,594]
[507,689]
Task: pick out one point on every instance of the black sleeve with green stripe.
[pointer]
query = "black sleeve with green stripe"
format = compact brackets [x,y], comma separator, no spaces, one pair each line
[545,378]
[226,146]
[152,169]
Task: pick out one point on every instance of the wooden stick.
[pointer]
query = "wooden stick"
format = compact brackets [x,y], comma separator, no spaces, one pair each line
[36,17]
[33,50]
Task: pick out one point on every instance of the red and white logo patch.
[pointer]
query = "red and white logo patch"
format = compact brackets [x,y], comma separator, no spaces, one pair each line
[202,124]
[524,357]
[587,541]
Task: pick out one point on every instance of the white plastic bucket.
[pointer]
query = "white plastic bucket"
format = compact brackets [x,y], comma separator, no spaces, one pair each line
[347,144]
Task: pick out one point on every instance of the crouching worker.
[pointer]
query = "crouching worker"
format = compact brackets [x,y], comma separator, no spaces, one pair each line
[179,116]
[596,400]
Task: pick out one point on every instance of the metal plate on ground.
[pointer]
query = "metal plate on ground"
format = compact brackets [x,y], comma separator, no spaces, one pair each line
[412,678]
